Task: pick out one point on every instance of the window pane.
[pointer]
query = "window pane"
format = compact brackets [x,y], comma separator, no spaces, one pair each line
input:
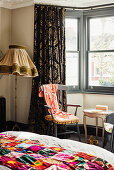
[71,34]
[72,68]
[102,33]
[101,69]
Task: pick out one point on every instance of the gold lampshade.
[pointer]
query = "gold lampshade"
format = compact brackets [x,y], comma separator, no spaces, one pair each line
[16,61]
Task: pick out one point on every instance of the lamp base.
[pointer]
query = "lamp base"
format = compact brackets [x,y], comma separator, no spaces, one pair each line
[16,127]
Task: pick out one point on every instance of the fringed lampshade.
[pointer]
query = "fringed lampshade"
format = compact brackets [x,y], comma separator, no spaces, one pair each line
[17,62]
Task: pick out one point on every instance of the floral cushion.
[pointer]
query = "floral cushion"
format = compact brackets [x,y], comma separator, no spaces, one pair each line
[108,127]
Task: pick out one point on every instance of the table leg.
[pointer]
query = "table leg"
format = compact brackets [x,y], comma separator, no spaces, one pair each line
[84,119]
[96,127]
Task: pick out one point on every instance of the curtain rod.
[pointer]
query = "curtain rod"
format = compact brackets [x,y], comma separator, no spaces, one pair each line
[83,8]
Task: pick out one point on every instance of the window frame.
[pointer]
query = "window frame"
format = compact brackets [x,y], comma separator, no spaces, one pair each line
[75,15]
[88,16]
[83,16]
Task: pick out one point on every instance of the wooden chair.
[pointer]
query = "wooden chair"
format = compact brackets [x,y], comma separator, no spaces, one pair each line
[54,115]
[109,131]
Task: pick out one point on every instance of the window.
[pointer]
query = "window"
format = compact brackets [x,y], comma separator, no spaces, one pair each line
[72,53]
[101,52]
[90,50]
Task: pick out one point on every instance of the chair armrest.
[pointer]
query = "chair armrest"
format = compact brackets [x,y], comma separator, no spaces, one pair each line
[73,105]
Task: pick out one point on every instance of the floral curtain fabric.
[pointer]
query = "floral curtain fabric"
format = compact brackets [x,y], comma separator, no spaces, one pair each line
[49,58]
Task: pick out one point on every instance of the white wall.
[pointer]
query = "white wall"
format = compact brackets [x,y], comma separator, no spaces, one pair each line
[90,101]
[22,33]
[5,39]
[22,28]
[17,27]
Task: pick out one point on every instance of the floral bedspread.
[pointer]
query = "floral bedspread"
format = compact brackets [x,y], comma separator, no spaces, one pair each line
[24,154]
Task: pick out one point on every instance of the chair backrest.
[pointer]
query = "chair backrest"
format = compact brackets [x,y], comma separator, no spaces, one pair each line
[49,92]
[110,118]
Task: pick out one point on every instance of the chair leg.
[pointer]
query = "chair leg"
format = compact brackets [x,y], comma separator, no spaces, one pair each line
[78,132]
[48,128]
[111,143]
[55,130]
[105,139]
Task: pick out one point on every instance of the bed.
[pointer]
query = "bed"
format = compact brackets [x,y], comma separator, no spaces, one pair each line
[55,144]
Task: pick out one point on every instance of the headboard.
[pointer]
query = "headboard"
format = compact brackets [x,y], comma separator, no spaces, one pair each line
[2,114]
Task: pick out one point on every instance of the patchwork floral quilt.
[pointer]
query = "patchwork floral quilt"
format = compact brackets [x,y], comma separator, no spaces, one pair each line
[24,154]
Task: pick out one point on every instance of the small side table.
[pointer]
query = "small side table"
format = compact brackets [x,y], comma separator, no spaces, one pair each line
[93,113]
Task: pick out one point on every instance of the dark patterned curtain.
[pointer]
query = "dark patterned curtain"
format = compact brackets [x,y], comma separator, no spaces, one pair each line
[49,58]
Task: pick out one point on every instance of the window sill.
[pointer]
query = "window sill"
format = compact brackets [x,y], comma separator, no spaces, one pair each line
[90,92]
